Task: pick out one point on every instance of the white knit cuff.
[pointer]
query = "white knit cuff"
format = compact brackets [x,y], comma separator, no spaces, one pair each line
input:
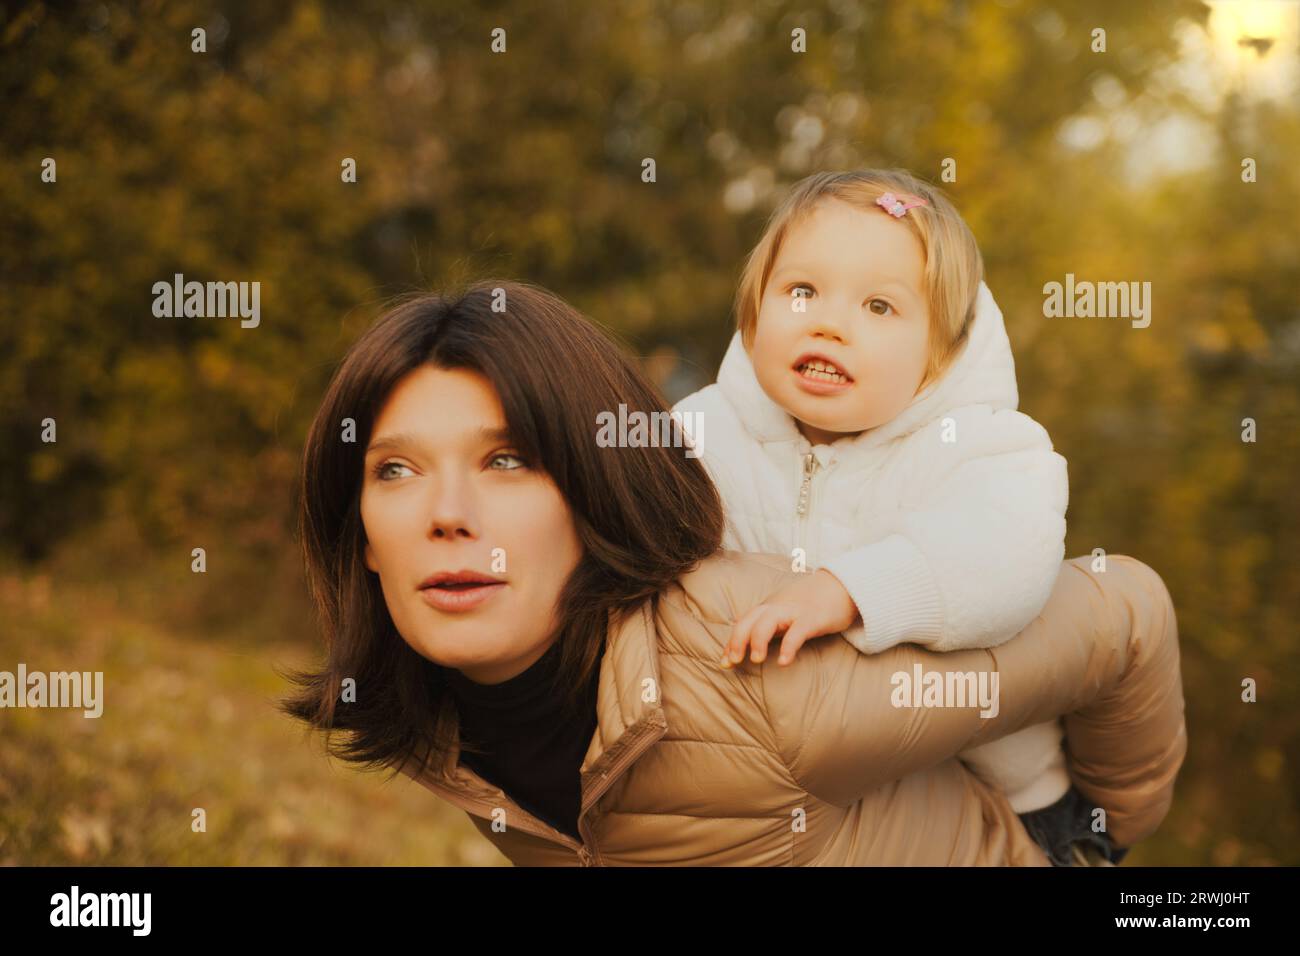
[892,584]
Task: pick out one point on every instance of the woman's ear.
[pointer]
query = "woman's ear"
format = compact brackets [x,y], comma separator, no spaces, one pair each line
[370,559]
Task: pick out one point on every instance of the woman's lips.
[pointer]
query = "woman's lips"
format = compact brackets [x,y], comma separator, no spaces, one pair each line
[462,597]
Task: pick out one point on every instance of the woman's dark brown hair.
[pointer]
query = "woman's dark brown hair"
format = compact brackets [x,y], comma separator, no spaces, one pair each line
[644,515]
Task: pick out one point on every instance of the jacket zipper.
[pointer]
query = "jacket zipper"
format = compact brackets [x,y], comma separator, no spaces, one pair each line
[523,820]
[607,777]
[810,464]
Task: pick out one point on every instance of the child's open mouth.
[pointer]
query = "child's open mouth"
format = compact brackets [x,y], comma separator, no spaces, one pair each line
[820,375]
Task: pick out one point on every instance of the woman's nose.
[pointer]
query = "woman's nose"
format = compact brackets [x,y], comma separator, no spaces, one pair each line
[451,514]
[450,529]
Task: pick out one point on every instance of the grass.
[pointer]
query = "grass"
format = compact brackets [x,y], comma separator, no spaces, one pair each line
[188,723]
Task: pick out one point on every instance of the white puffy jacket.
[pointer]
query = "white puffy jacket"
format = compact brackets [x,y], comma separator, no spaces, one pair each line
[946,524]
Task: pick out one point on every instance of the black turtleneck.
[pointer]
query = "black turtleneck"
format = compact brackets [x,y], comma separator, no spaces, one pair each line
[531,749]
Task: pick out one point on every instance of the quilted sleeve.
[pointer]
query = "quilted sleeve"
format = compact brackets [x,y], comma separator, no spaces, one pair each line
[1103,653]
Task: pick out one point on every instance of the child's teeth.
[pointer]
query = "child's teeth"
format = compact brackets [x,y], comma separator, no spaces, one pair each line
[819,371]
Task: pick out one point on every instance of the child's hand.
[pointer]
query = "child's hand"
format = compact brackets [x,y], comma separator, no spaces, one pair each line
[814,605]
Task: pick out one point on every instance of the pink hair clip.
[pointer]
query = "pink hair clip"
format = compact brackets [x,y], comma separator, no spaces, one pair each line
[896,207]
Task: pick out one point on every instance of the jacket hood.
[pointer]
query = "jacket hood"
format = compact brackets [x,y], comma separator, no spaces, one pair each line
[983,373]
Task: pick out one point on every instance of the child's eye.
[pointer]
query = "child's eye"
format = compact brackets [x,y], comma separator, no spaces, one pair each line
[801,291]
[872,303]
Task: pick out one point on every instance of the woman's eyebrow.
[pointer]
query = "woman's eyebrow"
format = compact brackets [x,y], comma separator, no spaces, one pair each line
[482,436]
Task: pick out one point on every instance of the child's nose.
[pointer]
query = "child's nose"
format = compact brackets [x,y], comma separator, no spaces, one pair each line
[830,323]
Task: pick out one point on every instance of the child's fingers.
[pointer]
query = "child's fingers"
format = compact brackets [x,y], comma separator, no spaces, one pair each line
[755,626]
[795,637]
[775,618]
[734,652]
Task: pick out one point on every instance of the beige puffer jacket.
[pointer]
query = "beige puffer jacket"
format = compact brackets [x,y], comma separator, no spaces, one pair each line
[811,764]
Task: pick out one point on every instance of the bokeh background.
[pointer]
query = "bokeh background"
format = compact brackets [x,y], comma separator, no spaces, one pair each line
[225,165]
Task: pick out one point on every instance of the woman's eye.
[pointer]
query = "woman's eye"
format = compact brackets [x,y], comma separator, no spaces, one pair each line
[500,455]
[380,469]
[887,308]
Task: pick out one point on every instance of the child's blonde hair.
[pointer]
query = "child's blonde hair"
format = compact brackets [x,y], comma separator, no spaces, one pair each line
[953,265]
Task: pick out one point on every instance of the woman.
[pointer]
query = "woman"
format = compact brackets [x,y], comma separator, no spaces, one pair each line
[529,622]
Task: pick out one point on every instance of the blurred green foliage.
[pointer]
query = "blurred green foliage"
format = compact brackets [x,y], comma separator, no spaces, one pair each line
[225,165]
